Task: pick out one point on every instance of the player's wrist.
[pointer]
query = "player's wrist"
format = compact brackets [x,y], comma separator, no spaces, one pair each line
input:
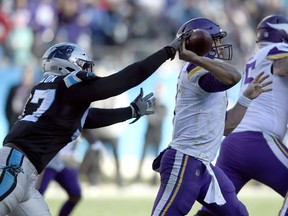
[133,112]
[244,101]
[171,51]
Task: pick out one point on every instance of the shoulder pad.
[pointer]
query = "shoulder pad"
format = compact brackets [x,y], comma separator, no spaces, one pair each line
[77,77]
[193,69]
[278,52]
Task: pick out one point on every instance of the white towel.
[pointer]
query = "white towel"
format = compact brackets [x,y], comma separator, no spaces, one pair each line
[214,194]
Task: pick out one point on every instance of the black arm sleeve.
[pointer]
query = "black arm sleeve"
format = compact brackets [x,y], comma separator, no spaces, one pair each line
[115,84]
[104,117]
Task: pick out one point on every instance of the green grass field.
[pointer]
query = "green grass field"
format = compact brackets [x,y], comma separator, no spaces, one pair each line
[142,207]
[259,202]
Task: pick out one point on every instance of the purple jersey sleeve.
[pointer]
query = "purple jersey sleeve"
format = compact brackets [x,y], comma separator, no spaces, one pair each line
[210,84]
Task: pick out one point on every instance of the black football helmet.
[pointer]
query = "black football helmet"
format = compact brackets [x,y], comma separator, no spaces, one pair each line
[216,33]
[64,58]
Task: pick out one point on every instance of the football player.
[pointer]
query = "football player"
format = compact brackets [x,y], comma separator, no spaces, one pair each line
[185,166]
[57,111]
[64,169]
[254,150]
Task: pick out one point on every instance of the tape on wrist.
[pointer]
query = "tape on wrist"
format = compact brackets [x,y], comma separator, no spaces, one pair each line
[244,101]
[133,111]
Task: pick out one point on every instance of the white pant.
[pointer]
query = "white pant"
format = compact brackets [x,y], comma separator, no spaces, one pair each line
[22,199]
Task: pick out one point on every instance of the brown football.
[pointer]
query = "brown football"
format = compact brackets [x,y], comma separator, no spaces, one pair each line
[199,42]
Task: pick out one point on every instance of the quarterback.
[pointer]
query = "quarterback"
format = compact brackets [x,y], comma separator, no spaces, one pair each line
[255,149]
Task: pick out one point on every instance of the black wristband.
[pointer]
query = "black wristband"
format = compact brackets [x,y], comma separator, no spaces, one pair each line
[137,112]
[171,52]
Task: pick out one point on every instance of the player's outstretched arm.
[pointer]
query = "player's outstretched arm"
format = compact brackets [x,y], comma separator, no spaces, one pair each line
[140,106]
[254,89]
[129,77]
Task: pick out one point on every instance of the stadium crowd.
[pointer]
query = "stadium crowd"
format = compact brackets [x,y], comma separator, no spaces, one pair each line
[29,27]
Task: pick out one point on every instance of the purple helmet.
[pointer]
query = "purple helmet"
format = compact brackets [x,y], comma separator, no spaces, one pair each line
[273,28]
[214,30]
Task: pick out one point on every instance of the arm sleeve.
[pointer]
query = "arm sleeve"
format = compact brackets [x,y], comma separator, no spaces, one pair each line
[115,84]
[210,84]
[104,117]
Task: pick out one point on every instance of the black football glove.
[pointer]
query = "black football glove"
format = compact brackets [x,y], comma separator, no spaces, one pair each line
[176,43]
[141,105]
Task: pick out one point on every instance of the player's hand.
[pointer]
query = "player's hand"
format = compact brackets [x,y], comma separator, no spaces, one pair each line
[187,55]
[179,39]
[141,105]
[256,87]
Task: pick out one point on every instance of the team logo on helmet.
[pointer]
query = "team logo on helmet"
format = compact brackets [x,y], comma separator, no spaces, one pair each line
[280,26]
[62,52]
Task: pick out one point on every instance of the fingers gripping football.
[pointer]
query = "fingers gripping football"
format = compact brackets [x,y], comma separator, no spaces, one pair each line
[178,40]
[142,105]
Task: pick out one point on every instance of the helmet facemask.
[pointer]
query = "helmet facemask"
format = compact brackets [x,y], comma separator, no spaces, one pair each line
[85,65]
[220,51]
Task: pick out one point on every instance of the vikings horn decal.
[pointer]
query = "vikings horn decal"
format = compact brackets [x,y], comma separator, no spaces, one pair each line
[280,26]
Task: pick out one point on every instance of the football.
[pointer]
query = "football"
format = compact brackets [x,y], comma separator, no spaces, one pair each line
[199,42]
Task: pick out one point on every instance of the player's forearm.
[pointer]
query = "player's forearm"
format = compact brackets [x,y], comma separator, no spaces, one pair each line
[222,71]
[104,117]
[125,79]
[141,70]
[131,76]
[234,117]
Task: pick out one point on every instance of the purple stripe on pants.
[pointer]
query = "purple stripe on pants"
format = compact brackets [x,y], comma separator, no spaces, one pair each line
[184,180]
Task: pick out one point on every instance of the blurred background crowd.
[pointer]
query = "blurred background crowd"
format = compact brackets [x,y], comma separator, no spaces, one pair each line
[120,28]
[115,33]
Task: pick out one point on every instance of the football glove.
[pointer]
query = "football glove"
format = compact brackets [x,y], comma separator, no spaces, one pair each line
[141,105]
[175,44]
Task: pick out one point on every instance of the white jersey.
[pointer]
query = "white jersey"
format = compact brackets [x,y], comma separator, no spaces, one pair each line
[269,112]
[199,116]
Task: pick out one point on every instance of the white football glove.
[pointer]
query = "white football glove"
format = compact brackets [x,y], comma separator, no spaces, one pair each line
[141,105]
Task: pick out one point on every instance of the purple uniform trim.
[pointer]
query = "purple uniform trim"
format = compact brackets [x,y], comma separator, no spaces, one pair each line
[210,84]
[67,178]
[275,53]
[184,180]
[254,156]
